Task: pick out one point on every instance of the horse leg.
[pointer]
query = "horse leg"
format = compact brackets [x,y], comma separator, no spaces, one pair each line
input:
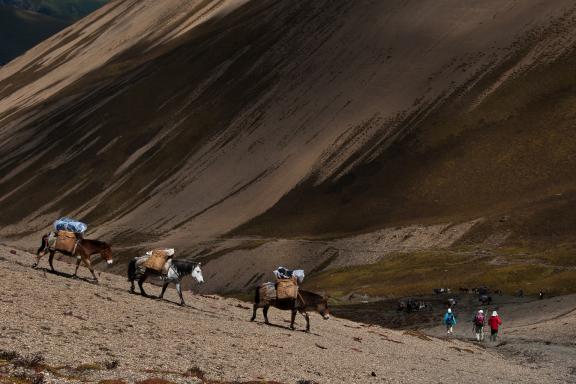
[77,266]
[179,290]
[254,308]
[307,320]
[141,281]
[292,327]
[132,286]
[88,264]
[41,251]
[38,257]
[265,311]
[163,290]
[51,260]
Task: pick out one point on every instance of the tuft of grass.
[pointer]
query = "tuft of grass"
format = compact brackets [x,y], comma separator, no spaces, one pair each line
[195,372]
[112,364]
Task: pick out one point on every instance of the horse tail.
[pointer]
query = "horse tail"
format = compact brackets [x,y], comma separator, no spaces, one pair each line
[257,296]
[132,270]
[44,244]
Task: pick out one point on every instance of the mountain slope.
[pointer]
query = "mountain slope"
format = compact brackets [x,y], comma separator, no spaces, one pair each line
[81,329]
[182,123]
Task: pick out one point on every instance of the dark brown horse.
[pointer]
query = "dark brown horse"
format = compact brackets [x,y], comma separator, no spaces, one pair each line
[306,301]
[84,250]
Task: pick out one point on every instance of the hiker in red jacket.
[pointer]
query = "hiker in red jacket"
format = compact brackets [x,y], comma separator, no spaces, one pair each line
[495,321]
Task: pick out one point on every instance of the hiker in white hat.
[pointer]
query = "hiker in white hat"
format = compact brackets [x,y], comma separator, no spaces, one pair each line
[478,325]
[495,321]
[449,321]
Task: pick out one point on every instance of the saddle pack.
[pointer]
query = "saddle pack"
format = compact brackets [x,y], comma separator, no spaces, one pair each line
[64,241]
[157,259]
[286,289]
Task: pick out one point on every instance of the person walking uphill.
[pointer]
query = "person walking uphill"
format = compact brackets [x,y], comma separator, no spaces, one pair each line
[478,325]
[450,321]
[495,321]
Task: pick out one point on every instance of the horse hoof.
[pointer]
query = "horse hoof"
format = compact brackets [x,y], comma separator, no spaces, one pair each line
[35,265]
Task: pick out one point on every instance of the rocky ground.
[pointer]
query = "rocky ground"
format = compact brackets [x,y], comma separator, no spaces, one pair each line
[56,329]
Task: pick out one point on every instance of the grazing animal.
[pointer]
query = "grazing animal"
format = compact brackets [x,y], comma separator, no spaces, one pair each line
[304,302]
[412,305]
[485,299]
[439,291]
[176,271]
[83,252]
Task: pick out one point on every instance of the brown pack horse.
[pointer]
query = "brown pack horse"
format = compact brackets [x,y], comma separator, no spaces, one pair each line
[83,252]
[306,301]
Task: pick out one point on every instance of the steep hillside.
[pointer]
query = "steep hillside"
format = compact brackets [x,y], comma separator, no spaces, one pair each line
[68,331]
[223,128]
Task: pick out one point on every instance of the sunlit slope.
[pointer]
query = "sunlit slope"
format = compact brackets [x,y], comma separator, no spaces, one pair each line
[180,121]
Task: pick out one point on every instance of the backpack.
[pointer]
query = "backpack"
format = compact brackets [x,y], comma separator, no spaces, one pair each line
[479,319]
[449,318]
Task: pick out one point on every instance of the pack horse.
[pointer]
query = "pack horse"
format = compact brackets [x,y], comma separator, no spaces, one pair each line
[82,249]
[304,301]
[170,271]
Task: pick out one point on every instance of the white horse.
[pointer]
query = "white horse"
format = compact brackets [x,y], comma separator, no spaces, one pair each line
[173,272]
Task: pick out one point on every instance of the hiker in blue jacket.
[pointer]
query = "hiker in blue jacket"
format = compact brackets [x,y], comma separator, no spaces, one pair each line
[450,321]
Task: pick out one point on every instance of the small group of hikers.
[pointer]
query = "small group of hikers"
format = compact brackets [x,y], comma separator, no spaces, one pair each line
[478,323]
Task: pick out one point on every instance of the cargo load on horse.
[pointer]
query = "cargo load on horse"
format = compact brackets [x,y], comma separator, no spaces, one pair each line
[67,234]
[157,258]
[70,225]
[287,283]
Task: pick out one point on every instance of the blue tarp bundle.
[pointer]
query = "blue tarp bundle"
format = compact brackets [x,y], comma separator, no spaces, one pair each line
[68,224]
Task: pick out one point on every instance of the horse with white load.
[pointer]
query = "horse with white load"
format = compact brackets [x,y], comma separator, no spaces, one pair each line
[168,270]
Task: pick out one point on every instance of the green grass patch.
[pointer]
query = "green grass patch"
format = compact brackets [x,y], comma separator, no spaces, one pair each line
[419,273]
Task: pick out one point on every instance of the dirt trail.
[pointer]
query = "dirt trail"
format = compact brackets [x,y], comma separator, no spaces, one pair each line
[78,324]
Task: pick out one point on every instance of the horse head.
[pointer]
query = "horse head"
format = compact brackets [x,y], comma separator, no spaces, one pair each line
[323,309]
[197,273]
[106,254]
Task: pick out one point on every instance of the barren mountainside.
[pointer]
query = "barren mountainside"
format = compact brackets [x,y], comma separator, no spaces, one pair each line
[273,132]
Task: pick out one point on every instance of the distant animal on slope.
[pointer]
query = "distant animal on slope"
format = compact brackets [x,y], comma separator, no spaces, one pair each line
[440,291]
[305,301]
[84,250]
[485,299]
[174,272]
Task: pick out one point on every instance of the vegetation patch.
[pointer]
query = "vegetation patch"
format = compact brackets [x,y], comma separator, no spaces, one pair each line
[417,273]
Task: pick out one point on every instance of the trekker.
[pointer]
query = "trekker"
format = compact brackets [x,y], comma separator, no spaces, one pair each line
[495,321]
[478,325]
[450,321]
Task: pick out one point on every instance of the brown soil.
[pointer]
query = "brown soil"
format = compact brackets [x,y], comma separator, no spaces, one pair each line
[80,329]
